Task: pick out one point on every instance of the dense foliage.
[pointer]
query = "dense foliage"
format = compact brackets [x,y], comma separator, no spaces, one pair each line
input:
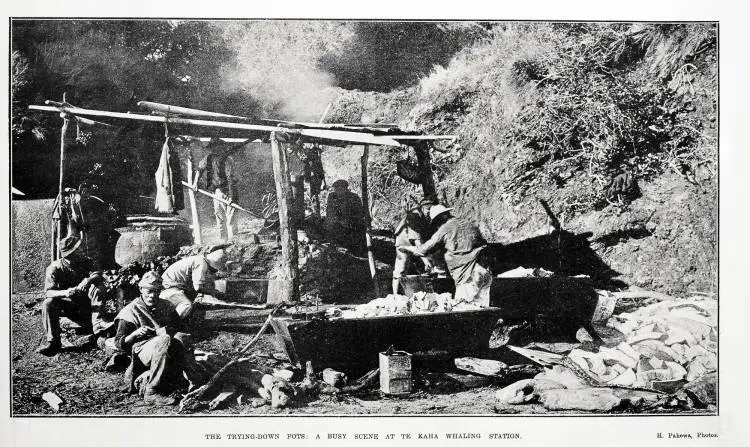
[106,65]
[558,109]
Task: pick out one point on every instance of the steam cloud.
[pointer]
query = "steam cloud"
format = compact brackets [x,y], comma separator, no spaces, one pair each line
[277,64]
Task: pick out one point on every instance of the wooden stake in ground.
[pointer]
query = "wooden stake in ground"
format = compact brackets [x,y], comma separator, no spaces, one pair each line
[193,180]
[368,229]
[286,286]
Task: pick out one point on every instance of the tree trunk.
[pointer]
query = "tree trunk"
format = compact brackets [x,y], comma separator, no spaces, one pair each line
[286,286]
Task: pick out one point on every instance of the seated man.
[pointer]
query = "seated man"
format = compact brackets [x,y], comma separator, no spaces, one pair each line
[148,327]
[188,277]
[72,290]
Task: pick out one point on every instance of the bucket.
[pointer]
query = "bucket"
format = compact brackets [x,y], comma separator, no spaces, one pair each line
[395,373]
[146,242]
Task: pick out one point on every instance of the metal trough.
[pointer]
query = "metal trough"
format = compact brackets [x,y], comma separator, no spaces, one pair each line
[354,343]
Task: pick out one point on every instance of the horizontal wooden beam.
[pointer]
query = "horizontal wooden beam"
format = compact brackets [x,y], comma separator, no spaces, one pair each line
[329,125]
[176,110]
[336,135]
[423,137]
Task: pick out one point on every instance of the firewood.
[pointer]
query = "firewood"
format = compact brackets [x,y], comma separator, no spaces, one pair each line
[222,398]
[191,401]
[363,382]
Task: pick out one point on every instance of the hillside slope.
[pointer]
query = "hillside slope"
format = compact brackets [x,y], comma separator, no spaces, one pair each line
[555,112]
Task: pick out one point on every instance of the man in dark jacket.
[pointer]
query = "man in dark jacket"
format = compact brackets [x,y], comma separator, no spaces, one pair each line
[149,327]
[345,217]
[73,290]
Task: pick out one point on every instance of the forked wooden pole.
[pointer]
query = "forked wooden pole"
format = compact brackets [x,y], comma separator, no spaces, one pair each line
[286,286]
[193,180]
[63,132]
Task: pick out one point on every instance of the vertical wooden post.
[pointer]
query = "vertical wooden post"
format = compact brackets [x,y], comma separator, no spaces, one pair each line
[368,228]
[192,178]
[286,286]
[422,148]
[63,132]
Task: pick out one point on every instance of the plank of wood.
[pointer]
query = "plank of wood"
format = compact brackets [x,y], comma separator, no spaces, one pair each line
[214,302]
[176,110]
[642,294]
[176,220]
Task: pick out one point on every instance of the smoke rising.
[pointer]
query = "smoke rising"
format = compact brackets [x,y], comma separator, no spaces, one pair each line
[277,65]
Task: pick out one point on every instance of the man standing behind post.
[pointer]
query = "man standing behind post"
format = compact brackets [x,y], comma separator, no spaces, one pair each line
[188,277]
[219,168]
[149,328]
[345,217]
[72,290]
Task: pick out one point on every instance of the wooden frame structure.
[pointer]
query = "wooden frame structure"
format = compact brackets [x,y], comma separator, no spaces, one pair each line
[335,134]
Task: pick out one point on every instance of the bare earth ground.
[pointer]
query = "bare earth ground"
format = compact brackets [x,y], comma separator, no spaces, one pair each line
[76,377]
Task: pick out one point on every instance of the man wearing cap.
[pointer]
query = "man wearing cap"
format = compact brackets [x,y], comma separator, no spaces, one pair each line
[462,243]
[188,277]
[149,328]
[412,231]
[72,290]
[345,217]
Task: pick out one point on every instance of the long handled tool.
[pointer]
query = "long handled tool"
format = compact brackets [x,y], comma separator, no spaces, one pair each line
[220,199]
[191,401]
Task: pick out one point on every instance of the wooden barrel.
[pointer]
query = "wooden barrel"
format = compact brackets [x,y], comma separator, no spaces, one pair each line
[145,241]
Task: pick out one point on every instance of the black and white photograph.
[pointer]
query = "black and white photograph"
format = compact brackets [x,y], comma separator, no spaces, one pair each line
[347,217]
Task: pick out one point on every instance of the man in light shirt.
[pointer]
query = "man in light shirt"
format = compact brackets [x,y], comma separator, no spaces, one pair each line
[188,277]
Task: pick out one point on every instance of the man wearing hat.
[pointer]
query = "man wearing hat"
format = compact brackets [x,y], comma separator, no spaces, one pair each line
[72,290]
[149,328]
[412,231]
[345,217]
[462,243]
[188,277]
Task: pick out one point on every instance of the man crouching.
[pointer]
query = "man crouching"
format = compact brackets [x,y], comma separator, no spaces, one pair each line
[149,328]
[73,290]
